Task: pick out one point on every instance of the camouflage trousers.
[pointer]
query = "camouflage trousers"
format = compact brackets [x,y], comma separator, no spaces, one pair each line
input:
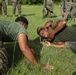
[46,13]
[71,45]
[3,5]
[18,4]
[73,13]
[4,64]
[48,8]
[67,15]
[0,8]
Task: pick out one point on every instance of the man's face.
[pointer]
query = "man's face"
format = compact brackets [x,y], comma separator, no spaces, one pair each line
[44,33]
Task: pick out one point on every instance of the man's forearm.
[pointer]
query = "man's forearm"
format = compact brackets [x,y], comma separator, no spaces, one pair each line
[59,25]
[46,43]
[58,46]
[29,55]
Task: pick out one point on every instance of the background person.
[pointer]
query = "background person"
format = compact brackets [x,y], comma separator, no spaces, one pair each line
[16,3]
[47,8]
[73,12]
[66,9]
[4,6]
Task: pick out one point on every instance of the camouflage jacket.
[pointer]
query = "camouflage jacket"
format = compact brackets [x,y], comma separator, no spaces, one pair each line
[68,6]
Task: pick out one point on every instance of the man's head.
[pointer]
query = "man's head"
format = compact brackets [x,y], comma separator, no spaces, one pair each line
[23,21]
[44,32]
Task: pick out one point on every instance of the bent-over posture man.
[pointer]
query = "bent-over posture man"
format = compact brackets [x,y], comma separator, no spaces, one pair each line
[16,31]
[59,33]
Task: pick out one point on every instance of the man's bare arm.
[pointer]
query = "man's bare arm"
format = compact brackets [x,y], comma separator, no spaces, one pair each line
[22,40]
[59,25]
[48,23]
[61,45]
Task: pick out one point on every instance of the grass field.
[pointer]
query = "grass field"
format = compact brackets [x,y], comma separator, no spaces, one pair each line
[64,60]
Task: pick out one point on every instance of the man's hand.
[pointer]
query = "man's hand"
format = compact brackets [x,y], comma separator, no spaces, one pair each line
[63,14]
[47,66]
[46,43]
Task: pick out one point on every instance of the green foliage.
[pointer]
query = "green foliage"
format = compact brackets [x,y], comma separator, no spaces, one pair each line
[36,1]
[32,2]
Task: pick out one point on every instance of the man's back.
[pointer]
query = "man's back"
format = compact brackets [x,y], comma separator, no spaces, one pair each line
[66,34]
[10,30]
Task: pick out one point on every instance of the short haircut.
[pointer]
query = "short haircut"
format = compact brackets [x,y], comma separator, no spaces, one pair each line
[39,29]
[22,19]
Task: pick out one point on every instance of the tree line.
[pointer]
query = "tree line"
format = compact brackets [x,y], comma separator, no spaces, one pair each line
[30,2]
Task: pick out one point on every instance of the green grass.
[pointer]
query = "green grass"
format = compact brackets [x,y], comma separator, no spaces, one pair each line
[64,60]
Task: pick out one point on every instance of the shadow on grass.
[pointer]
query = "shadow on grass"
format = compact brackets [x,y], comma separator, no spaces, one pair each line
[52,16]
[28,14]
[21,15]
[36,47]
[15,54]
[74,73]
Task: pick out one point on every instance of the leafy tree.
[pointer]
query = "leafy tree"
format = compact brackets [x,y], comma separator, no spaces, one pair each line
[36,1]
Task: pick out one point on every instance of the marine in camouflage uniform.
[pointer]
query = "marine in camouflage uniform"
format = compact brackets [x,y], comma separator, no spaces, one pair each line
[62,8]
[3,4]
[68,9]
[48,8]
[18,4]
[73,13]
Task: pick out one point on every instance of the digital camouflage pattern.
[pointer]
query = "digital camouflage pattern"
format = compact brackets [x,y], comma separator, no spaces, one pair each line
[70,9]
[62,8]
[48,8]
[74,9]
[18,4]
[3,61]
[4,6]
[3,57]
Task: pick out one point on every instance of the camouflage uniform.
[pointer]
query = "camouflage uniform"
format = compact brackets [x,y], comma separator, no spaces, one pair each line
[3,4]
[73,13]
[18,4]
[48,6]
[62,8]
[68,9]
[4,63]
